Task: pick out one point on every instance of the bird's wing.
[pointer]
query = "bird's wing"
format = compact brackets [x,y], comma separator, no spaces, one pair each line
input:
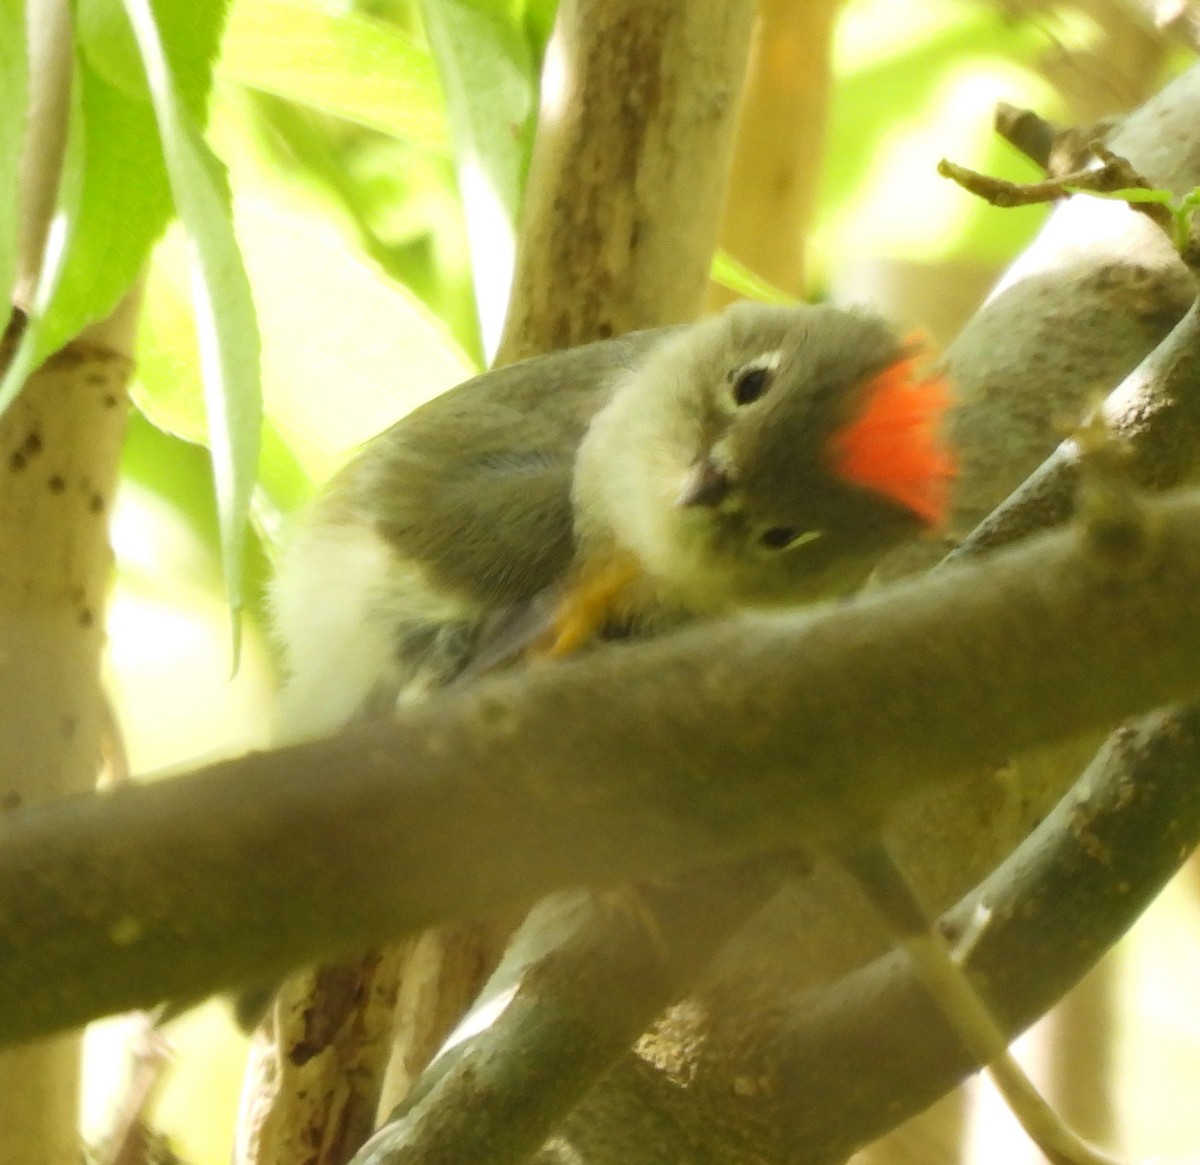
[478,481]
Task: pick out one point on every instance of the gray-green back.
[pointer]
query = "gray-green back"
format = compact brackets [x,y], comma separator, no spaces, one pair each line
[475,486]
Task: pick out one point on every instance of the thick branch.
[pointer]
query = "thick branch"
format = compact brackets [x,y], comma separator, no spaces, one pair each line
[562,1016]
[1156,410]
[844,1063]
[639,103]
[636,762]
[60,445]
[776,166]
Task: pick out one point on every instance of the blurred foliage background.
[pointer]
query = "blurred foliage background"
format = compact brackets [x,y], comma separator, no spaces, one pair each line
[376,152]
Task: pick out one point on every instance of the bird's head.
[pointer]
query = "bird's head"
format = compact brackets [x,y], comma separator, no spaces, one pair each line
[766,456]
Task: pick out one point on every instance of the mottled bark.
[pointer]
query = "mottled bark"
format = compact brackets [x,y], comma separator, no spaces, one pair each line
[60,445]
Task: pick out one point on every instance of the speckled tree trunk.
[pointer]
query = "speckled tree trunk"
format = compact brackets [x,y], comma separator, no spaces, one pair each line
[60,445]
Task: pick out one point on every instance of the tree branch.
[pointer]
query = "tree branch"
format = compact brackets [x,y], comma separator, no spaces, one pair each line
[60,445]
[636,762]
[775,171]
[842,1064]
[639,105]
[567,1013]
[1155,411]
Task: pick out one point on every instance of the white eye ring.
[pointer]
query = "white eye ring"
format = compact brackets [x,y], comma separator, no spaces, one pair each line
[780,538]
[752,380]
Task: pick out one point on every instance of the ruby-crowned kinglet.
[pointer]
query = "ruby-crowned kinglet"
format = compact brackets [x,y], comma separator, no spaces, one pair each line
[765,456]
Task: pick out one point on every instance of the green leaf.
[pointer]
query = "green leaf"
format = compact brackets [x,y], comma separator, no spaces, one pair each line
[226,326]
[14,82]
[345,351]
[538,19]
[167,386]
[340,63]
[109,48]
[489,80]
[33,345]
[728,272]
[124,203]
[124,200]
[190,34]
[285,483]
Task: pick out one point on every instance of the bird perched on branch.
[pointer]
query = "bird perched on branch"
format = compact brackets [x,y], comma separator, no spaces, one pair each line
[763,457]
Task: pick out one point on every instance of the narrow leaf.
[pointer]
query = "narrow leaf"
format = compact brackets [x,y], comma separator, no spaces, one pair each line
[338,62]
[38,339]
[14,82]
[226,326]
[728,272]
[488,77]
[331,379]
[123,200]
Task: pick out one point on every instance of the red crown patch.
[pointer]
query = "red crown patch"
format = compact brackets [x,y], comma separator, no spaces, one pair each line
[894,445]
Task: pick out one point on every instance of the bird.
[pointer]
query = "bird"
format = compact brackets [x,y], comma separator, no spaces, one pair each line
[765,457]
[768,456]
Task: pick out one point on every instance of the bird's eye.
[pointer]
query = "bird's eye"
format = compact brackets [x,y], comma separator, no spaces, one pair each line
[778,537]
[750,383]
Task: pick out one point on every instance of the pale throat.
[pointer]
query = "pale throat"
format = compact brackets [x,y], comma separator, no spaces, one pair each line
[680,570]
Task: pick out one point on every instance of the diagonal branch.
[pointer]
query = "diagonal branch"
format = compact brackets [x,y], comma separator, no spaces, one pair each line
[565,1015]
[489,1076]
[634,763]
[1155,410]
[842,1064]
[545,1047]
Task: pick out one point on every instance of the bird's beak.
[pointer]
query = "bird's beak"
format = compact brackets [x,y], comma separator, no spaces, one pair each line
[705,485]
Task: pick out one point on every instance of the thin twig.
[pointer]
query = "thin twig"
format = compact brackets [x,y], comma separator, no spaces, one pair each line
[943,977]
[1114,175]
[1026,131]
[131,1140]
[1058,150]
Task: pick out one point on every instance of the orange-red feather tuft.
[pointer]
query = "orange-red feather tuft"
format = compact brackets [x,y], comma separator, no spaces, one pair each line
[894,447]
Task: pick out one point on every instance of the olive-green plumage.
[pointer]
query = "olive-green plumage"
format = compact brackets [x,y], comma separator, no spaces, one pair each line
[478,481]
[701,452]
